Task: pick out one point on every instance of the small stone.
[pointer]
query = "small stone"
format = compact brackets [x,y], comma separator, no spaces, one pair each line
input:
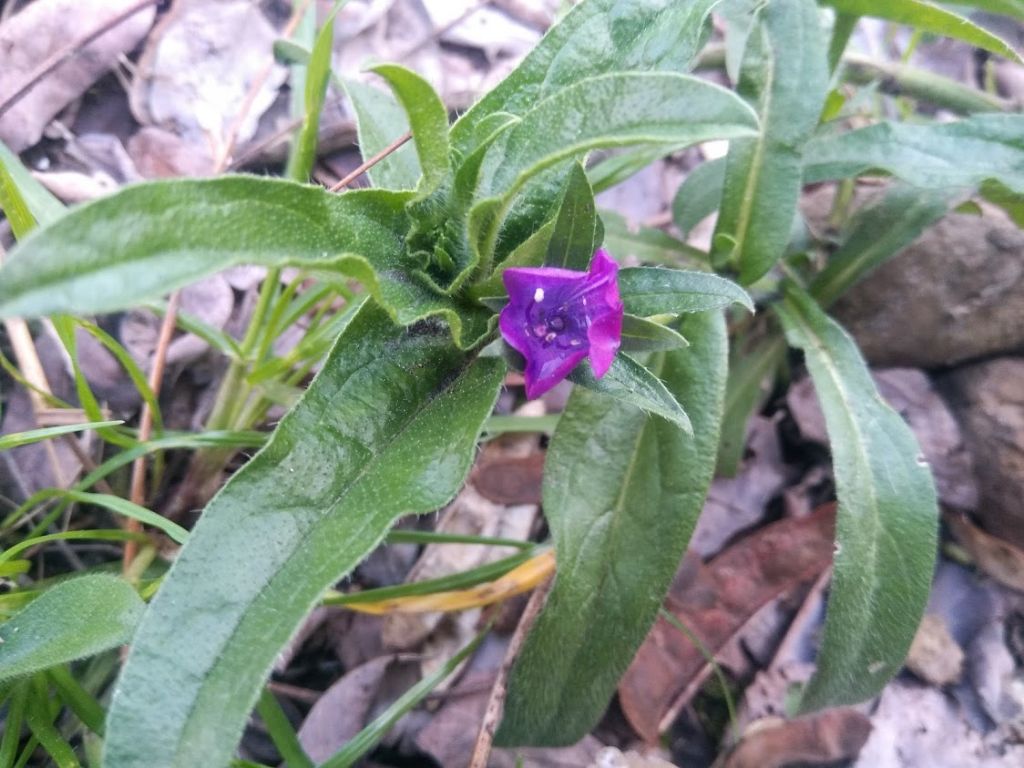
[935,656]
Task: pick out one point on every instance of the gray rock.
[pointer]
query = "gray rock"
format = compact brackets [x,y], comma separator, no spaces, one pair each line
[988,400]
[955,294]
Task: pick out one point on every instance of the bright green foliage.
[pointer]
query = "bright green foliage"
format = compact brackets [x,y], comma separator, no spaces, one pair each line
[642,335]
[887,527]
[622,492]
[76,618]
[575,235]
[785,73]
[387,428]
[381,121]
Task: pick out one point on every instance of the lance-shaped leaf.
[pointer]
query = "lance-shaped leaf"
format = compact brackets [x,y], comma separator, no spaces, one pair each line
[595,37]
[387,428]
[886,532]
[614,110]
[648,244]
[574,237]
[642,335]
[149,239]
[699,195]
[380,120]
[785,73]
[929,17]
[73,619]
[629,382]
[648,291]
[622,492]
[937,155]
[428,120]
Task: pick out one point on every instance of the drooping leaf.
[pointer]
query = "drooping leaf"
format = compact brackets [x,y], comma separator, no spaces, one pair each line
[575,234]
[648,291]
[595,37]
[699,195]
[937,155]
[387,428]
[630,382]
[380,120]
[642,335]
[428,120]
[622,492]
[75,618]
[886,532]
[878,232]
[928,17]
[785,73]
[151,238]
[614,110]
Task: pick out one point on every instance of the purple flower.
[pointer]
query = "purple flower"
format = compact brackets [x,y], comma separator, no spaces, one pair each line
[556,317]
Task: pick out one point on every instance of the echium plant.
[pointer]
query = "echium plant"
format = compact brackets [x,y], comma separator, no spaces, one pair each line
[481,250]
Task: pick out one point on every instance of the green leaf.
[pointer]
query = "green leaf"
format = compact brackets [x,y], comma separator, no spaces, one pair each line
[317,75]
[887,526]
[749,367]
[647,243]
[41,204]
[936,155]
[1010,201]
[629,382]
[785,73]
[575,234]
[387,428]
[1014,8]
[617,168]
[595,37]
[622,492]
[615,110]
[699,195]
[876,233]
[380,120]
[15,439]
[76,618]
[151,238]
[642,335]
[928,18]
[13,205]
[428,120]
[648,291]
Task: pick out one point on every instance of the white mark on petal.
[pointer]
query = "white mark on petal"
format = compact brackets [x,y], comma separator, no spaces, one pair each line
[538,295]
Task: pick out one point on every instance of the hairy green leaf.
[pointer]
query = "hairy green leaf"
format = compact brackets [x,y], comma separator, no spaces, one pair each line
[937,155]
[387,428]
[75,618]
[614,110]
[928,17]
[151,238]
[699,195]
[630,382]
[648,291]
[785,73]
[887,525]
[642,335]
[595,37]
[647,243]
[380,120]
[575,234]
[622,492]
[428,120]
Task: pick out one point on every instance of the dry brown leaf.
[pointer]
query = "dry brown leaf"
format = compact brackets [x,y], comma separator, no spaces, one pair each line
[715,601]
[825,738]
[935,656]
[999,559]
[44,28]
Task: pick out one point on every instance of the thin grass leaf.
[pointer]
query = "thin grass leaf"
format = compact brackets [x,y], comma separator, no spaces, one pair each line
[15,439]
